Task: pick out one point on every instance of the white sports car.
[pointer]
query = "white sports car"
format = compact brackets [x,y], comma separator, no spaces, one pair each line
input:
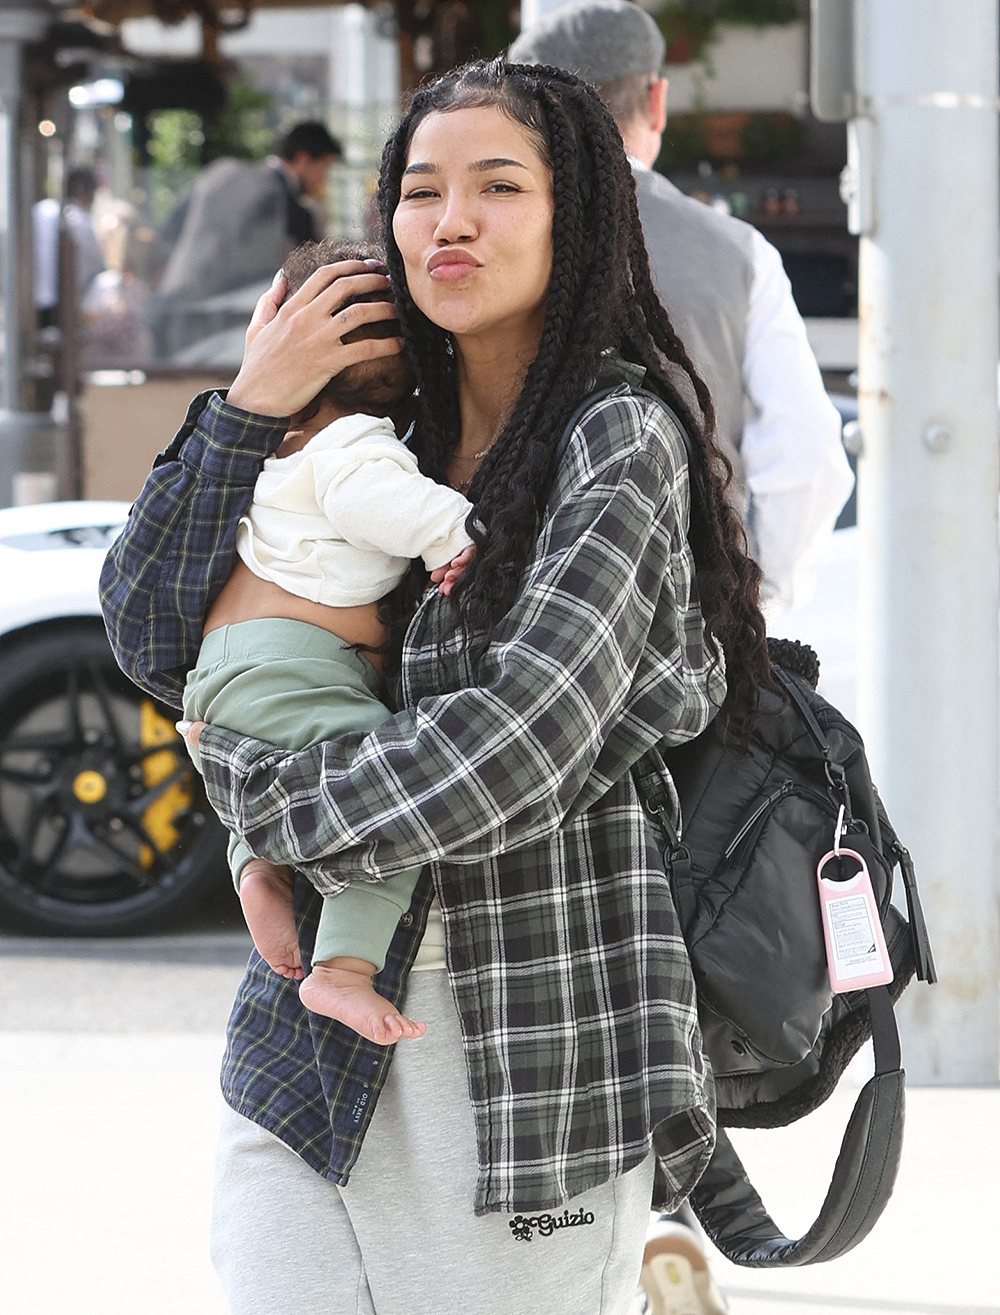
[103,825]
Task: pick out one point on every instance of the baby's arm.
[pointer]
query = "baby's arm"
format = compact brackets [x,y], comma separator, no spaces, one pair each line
[385,504]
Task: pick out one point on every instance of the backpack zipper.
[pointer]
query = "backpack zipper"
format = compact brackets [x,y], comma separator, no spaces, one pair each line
[749,832]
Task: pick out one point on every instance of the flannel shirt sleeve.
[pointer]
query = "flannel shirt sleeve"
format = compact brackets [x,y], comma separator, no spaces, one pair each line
[179,543]
[465,774]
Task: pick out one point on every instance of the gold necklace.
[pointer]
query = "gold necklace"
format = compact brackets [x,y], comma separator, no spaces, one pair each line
[463,485]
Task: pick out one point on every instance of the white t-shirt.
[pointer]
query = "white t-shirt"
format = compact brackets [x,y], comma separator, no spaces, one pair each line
[338,521]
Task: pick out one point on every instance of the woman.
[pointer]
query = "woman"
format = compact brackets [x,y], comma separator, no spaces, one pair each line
[573,643]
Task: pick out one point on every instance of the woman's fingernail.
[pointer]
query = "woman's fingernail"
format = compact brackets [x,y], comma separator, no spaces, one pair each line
[375,264]
[277,278]
[182,727]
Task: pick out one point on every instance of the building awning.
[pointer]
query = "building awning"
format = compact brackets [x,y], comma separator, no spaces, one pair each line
[173,11]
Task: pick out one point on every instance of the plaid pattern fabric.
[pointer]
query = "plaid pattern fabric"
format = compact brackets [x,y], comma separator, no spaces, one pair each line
[508,777]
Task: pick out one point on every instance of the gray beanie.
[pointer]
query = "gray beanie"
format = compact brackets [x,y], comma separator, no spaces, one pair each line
[599,40]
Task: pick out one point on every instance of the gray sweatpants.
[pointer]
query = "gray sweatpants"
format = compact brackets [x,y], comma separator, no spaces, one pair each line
[401,1238]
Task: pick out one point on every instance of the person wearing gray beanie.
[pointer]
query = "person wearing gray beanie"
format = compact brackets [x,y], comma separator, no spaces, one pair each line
[728,295]
[598,40]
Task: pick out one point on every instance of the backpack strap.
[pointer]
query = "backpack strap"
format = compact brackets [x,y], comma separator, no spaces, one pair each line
[733,1215]
[835,773]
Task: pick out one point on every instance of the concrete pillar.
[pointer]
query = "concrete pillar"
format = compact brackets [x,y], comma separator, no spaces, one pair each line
[926,156]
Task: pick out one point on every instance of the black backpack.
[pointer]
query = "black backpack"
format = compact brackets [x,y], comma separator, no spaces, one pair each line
[757,817]
[756,820]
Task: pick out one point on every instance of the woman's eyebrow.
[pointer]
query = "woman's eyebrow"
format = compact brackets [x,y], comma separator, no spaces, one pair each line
[497,162]
[478,166]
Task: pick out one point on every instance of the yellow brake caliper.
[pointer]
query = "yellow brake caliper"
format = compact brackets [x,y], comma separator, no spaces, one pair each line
[159,817]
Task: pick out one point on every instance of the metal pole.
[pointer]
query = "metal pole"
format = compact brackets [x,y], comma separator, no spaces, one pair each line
[19,24]
[10,97]
[929,666]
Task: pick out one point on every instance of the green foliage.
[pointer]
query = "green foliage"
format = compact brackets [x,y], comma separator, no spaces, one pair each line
[182,138]
[242,129]
[175,139]
[690,26]
[684,143]
[495,29]
[688,31]
[181,142]
[768,139]
[772,138]
[759,13]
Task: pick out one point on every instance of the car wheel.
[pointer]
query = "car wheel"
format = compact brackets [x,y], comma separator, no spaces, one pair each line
[104,827]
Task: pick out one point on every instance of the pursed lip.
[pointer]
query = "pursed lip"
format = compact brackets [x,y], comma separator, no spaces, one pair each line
[452,257]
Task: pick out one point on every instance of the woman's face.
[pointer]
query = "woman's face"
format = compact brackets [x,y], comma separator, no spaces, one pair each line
[474,226]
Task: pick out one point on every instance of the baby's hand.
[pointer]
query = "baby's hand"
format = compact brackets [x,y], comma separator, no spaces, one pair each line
[446,577]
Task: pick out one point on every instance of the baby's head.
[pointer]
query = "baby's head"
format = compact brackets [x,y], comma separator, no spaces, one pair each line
[376,387]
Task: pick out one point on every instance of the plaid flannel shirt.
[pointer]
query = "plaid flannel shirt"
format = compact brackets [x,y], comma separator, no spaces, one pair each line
[510,783]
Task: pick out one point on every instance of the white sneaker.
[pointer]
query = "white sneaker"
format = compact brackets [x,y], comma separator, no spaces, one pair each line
[675,1275]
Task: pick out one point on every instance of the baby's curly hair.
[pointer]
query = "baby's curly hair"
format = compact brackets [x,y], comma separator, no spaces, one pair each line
[311,256]
[384,381]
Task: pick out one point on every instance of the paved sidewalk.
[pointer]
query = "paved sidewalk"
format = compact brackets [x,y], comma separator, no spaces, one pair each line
[106,1166]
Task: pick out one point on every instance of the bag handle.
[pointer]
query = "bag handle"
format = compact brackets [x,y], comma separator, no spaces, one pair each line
[733,1215]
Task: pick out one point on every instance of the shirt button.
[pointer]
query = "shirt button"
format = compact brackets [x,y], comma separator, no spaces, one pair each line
[407,920]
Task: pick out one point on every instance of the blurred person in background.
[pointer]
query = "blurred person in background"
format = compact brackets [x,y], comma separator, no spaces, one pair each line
[730,299]
[117,300]
[81,186]
[235,226]
[302,162]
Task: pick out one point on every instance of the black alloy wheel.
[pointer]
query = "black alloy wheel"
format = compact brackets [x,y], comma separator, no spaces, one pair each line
[104,826]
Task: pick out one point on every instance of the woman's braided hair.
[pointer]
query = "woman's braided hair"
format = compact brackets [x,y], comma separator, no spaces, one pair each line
[600,296]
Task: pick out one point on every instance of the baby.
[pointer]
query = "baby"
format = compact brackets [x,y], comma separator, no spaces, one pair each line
[337,514]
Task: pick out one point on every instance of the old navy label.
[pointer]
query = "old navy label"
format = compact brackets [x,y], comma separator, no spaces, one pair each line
[852,929]
[524,1227]
[360,1105]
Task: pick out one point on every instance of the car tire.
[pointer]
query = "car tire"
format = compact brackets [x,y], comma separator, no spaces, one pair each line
[104,826]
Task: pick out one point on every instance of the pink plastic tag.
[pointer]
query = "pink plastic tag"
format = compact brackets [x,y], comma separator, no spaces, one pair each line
[855,946]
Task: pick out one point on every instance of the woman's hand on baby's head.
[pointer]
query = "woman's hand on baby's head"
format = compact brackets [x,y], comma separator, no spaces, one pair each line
[294,343]
[446,577]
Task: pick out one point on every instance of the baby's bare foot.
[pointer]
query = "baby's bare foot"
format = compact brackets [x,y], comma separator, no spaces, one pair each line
[342,988]
[266,897]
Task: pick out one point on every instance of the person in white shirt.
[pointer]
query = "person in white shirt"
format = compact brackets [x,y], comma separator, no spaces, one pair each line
[291,646]
[81,185]
[731,304]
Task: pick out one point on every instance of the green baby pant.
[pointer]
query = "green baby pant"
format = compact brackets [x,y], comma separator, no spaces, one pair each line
[294,685]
